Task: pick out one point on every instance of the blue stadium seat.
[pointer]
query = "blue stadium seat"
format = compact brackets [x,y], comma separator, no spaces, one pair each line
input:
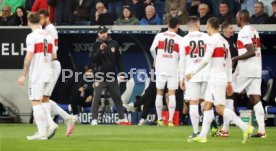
[64,107]
[270,109]
[114,109]
[239,108]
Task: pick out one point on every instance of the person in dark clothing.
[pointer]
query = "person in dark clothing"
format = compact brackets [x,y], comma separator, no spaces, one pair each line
[21,16]
[7,18]
[82,12]
[272,18]
[203,13]
[259,16]
[138,7]
[224,13]
[106,59]
[193,6]
[101,17]
[81,94]
[228,33]
[29,4]
[64,11]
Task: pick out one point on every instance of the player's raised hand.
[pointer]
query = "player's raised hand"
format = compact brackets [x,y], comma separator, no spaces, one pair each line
[188,76]
[21,80]
[229,89]
[182,85]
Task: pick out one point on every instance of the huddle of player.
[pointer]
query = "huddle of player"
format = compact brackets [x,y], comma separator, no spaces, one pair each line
[43,69]
[202,65]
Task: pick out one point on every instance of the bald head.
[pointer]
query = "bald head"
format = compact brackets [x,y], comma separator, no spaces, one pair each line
[203,9]
[6,11]
[150,11]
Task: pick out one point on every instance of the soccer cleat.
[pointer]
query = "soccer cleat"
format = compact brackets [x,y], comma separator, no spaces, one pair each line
[70,123]
[52,130]
[160,123]
[194,135]
[142,122]
[197,139]
[123,122]
[170,124]
[259,135]
[222,133]
[94,122]
[247,133]
[36,136]
[214,132]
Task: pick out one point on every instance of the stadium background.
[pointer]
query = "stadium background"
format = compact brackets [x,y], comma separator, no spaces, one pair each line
[74,45]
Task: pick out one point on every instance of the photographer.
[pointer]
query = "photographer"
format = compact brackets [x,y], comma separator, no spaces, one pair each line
[106,58]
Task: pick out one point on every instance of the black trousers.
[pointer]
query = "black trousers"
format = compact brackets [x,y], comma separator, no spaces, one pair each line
[114,91]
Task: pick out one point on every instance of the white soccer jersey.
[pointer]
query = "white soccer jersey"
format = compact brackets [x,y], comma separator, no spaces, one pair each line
[219,58]
[41,44]
[167,53]
[251,67]
[192,50]
[51,29]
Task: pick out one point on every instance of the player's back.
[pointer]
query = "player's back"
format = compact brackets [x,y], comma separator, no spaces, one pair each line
[220,63]
[194,47]
[251,67]
[41,44]
[167,53]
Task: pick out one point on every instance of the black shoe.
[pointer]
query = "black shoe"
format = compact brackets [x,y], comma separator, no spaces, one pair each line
[194,135]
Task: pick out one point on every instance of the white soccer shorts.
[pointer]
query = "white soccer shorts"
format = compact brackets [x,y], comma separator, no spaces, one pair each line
[251,85]
[37,90]
[56,67]
[172,82]
[216,94]
[195,90]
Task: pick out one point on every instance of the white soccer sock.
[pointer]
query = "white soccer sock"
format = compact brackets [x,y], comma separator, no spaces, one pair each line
[40,119]
[159,106]
[56,110]
[208,117]
[194,116]
[259,113]
[231,116]
[47,109]
[172,104]
[229,105]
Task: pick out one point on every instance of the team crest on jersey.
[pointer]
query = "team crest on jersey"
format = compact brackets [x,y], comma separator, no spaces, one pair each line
[113,49]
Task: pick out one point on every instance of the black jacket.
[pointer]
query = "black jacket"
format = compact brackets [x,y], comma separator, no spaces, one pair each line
[10,21]
[258,19]
[104,19]
[271,20]
[230,18]
[64,11]
[109,60]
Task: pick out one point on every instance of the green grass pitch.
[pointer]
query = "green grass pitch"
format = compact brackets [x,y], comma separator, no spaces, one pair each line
[127,138]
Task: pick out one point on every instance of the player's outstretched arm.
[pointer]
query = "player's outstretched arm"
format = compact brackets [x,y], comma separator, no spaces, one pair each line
[27,64]
[250,53]
[206,59]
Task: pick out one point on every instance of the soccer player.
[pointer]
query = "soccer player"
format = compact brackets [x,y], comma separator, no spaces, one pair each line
[52,31]
[249,69]
[166,68]
[218,58]
[192,50]
[37,63]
